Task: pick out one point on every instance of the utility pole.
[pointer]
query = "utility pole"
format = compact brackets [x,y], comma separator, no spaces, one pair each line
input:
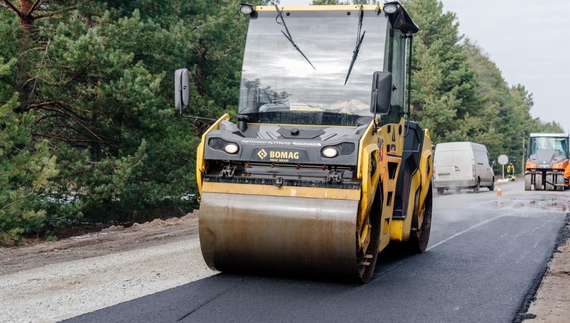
[523,153]
[503,160]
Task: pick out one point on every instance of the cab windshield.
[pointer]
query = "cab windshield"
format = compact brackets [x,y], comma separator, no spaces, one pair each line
[555,143]
[277,76]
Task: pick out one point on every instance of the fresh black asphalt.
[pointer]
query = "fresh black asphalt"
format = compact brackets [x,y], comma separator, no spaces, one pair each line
[486,257]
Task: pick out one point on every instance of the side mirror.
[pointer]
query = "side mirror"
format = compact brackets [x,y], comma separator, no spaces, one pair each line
[181,89]
[381,92]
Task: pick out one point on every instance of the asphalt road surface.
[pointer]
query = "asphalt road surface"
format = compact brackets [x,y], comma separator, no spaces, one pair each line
[487,254]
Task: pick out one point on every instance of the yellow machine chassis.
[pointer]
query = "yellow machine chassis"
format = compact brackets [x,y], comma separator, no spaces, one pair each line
[310,229]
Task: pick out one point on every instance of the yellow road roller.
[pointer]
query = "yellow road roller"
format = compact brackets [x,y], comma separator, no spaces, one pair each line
[322,168]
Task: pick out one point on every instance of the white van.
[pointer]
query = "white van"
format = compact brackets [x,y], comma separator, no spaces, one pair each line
[459,165]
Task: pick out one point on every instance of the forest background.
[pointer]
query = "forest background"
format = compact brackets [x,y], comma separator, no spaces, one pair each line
[88,133]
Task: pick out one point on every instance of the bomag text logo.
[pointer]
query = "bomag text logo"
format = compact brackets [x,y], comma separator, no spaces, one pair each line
[283,154]
[262,154]
[279,156]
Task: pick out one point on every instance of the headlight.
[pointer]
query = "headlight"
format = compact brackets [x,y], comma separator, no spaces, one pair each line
[530,165]
[329,152]
[390,8]
[246,9]
[231,148]
[559,166]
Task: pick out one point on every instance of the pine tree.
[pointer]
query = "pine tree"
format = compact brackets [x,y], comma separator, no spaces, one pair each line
[26,168]
[444,86]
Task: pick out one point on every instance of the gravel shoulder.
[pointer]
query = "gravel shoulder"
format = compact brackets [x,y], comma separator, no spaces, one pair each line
[53,281]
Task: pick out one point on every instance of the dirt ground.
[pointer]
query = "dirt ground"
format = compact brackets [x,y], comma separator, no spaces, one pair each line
[52,281]
[112,239]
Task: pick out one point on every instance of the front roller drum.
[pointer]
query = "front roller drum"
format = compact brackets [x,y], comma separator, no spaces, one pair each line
[549,184]
[560,182]
[279,234]
[538,182]
[527,181]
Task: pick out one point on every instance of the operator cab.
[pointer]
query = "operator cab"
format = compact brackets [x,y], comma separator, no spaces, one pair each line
[299,61]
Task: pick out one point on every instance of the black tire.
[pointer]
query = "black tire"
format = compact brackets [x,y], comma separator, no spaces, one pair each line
[364,272]
[419,238]
[476,188]
[441,191]
[492,187]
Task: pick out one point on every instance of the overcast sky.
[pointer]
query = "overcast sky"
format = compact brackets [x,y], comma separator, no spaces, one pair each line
[529,41]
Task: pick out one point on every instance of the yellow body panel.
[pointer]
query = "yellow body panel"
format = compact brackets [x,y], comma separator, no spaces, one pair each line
[420,184]
[200,162]
[294,191]
[393,138]
[368,154]
[297,125]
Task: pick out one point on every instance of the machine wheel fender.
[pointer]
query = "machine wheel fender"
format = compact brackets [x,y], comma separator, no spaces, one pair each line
[200,161]
[426,171]
[371,169]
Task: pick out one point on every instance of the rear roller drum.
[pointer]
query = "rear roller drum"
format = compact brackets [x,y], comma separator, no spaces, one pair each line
[419,236]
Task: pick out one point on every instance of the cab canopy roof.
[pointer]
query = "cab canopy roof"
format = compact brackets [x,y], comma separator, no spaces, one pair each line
[538,134]
[400,19]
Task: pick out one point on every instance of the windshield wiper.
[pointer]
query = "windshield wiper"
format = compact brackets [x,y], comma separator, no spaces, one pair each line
[359,39]
[288,35]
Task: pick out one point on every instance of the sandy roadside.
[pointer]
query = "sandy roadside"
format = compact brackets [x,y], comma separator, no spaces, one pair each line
[58,280]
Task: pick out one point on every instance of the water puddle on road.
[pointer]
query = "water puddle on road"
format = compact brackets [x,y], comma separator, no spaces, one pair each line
[551,204]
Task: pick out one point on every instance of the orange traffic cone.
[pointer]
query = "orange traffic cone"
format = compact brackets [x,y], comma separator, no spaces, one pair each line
[499,193]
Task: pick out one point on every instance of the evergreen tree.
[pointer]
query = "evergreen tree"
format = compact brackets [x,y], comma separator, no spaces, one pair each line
[26,168]
[492,92]
[550,127]
[98,78]
[444,86]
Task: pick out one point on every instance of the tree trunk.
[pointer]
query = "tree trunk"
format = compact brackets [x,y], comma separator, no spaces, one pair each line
[25,43]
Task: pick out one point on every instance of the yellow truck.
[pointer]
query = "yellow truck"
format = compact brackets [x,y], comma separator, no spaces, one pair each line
[321,170]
